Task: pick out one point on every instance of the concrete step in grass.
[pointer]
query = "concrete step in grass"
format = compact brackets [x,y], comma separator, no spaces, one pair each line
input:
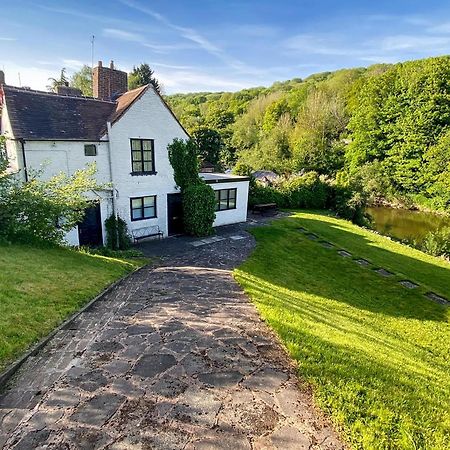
[437,298]
[384,272]
[408,284]
[380,270]
[362,262]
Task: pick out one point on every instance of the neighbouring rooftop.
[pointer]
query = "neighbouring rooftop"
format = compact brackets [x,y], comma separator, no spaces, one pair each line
[211,178]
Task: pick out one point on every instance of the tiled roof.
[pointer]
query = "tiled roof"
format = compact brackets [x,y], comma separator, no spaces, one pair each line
[36,115]
[125,101]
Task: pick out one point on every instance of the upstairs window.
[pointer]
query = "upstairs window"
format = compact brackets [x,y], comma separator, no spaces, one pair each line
[225,199]
[142,156]
[143,207]
[90,150]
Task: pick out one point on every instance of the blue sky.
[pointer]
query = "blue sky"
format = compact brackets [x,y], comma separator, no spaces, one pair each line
[217,45]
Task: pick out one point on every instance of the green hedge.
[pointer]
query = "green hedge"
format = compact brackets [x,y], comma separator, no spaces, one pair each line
[198,209]
[304,191]
[310,191]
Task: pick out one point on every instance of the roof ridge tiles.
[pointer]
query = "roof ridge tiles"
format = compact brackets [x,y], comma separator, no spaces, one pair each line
[54,94]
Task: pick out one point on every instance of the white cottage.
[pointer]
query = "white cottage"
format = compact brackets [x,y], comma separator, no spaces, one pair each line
[126,134]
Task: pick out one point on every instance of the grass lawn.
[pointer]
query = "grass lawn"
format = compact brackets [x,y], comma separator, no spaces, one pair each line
[40,287]
[376,353]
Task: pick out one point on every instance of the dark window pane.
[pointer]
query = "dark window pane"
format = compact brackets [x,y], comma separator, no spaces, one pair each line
[135,144]
[149,201]
[147,156]
[147,166]
[232,203]
[232,193]
[147,145]
[149,211]
[136,203]
[137,167]
[136,213]
[90,150]
[137,156]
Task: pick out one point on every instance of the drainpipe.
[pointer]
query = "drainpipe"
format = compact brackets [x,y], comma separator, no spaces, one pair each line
[25,170]
[114,190]
[108,124]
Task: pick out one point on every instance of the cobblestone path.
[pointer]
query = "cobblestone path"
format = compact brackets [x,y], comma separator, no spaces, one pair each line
[175,357]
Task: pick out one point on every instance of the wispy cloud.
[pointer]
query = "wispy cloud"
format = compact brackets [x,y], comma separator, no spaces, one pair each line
[256,31]
[123,35]
[30,75]
[7,39]
[415,43]
[73,64]
[172,66]
[441,27]
[192,35]
[128,36]
[98,18]
[317,44]
[398,18]
[181,80]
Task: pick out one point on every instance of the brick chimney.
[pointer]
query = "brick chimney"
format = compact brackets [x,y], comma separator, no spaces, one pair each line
[2,77]
[108,82]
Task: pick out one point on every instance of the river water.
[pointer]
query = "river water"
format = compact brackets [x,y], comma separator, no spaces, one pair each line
[405,224]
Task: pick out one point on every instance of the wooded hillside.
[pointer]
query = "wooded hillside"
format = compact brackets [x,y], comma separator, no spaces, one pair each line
[389,124]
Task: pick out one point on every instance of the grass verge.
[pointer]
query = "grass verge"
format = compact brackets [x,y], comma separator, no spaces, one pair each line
[376,353]
[40,287]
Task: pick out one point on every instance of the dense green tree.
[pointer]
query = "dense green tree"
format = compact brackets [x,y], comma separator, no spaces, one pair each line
[42,210]
[209,143]
[389,122]
[82,80]
[142,75]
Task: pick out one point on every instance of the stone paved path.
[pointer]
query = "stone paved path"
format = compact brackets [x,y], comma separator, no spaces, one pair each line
[174,358]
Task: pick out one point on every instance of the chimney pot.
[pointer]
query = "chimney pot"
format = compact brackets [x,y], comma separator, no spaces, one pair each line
[100,64]
[108,82]
[2,77]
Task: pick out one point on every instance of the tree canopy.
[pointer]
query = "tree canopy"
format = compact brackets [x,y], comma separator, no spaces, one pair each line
[142,75]
[388,123]
[82,80]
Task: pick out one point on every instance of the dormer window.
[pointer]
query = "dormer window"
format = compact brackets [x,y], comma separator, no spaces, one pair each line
[90,150]
[142,156]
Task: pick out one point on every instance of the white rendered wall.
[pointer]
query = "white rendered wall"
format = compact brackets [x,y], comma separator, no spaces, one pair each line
[54,157]
[148,118]
[51,158]
[13,148]
[239,214]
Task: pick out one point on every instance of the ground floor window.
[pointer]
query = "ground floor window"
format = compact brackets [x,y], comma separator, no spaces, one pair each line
[225,199]
[143,207]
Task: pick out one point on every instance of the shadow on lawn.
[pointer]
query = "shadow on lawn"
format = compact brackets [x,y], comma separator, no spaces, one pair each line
[380,403]
[326,274]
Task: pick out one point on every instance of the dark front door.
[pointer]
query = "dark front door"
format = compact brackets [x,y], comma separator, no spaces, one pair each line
[90,230]
[174,213]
